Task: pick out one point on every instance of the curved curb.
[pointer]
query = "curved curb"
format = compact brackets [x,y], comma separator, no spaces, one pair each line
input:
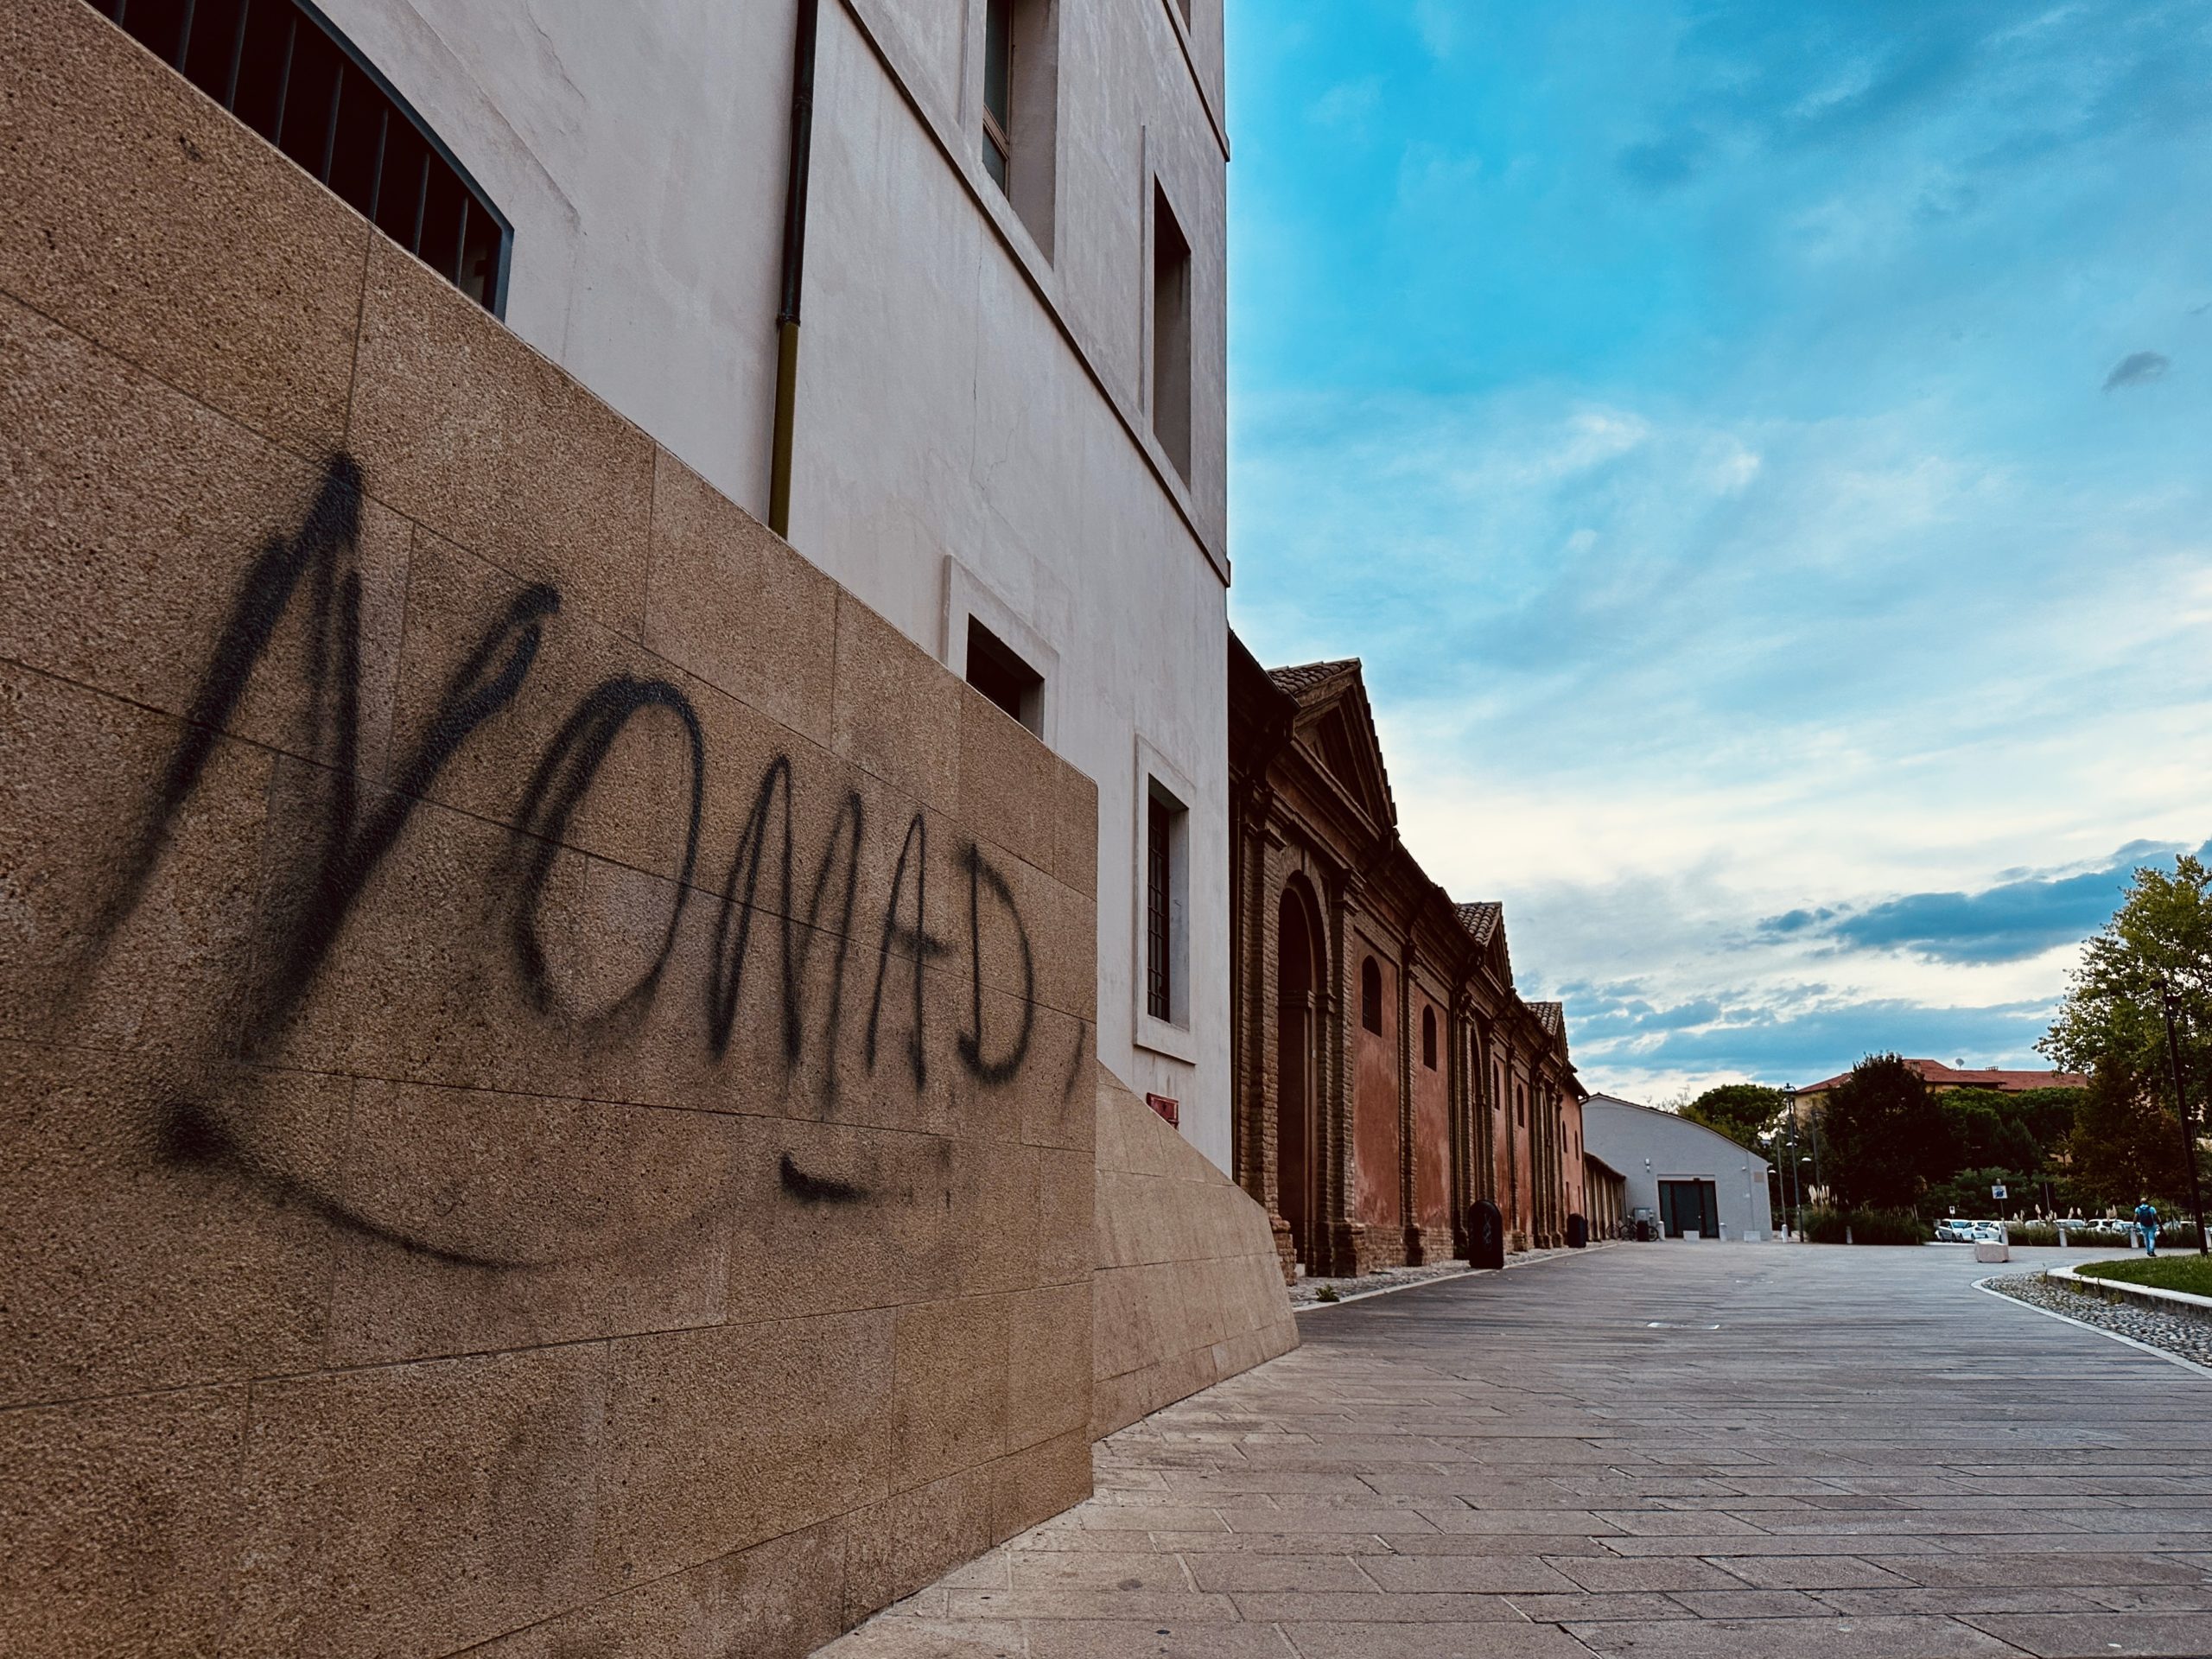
[2127,1287]
[1982,1285]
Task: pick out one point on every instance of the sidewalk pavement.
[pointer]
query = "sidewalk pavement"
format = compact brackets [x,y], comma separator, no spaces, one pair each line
[1678,1452]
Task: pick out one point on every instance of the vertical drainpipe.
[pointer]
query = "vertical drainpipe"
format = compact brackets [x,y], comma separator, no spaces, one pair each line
[794,267]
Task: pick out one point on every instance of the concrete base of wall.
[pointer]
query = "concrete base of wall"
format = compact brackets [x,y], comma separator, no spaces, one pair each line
[1188,1288]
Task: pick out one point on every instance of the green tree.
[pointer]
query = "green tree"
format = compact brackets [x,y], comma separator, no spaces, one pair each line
[1882,1135]
[1745,1112]
[2126,1143]
[2159,942]
[2111,1023]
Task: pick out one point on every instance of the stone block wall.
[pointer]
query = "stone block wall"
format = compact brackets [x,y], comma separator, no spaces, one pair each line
[549,1065]
[1189,1288]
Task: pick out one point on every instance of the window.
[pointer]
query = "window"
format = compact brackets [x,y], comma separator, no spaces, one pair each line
[1021,106]
[278,67]
[996,671]
[1370,996]
[1166,997]
[1171,334]
[1428,1038]
[1521,1107]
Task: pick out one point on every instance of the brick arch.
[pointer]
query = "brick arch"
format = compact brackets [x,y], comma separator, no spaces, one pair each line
[1301,971]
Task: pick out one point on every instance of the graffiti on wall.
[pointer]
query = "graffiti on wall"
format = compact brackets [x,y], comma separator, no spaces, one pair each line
[771,911]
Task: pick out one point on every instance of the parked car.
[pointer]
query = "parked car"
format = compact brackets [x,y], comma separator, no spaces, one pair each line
[1957,1230]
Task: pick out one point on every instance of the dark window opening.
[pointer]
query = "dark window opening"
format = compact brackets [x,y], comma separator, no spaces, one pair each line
[1370,996]
[1171,334]
[285,73]
[1428,1038]
[998,89]
[994,670]
[1159,975]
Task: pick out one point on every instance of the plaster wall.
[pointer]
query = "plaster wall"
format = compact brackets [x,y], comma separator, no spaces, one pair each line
[973,416]
[547,1045]
[1648,1146]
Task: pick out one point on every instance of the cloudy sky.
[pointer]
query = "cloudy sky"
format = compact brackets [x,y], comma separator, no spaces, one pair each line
[1762,453]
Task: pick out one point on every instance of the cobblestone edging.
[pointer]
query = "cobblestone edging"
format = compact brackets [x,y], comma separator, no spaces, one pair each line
[1306,1293]
[2184,1335]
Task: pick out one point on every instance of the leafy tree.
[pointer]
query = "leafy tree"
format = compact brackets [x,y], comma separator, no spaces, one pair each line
[2126,1143]
[2113,1024]
[1882,1135]
[2158,942]
[1745,1112]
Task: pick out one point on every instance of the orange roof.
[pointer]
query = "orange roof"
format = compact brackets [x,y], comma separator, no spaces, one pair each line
[1937,1074]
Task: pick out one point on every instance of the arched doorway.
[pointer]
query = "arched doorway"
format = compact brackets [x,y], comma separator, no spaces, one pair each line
[1297,1051]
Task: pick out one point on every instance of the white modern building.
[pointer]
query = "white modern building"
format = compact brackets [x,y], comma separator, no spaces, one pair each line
[937,287]
[1695,1182]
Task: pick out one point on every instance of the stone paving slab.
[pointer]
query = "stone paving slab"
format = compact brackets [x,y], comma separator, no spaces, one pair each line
[1742,1451]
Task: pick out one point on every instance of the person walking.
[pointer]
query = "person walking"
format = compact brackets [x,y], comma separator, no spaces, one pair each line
[2146,1223]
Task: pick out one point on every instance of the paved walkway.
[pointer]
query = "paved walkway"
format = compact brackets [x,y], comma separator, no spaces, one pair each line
[1748,1451]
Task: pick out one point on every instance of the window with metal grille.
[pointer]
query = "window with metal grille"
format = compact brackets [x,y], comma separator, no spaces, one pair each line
[280,68]
[1159,970]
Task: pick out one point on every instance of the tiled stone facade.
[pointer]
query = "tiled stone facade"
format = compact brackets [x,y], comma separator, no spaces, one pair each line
[1388,1075]
[550,1050]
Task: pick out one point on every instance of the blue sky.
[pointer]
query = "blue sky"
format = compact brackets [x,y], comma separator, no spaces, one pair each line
[1763,453]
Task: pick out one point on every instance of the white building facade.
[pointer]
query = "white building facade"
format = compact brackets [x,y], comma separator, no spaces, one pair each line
[1007,419]
[1694,1181]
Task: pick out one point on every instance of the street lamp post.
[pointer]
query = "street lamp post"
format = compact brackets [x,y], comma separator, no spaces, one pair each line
[1797,1179]
[2181,1110]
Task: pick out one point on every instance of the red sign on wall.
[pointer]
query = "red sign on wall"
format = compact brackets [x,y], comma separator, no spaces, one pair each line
[1170,1109]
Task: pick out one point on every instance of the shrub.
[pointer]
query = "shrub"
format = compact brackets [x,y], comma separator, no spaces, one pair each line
[1865,1227]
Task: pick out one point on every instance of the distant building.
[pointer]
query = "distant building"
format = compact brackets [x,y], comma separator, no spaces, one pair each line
[1696,1181]
[1387,1073]
[1943,1078]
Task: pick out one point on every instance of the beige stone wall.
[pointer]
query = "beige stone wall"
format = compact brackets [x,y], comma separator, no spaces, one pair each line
[1189,1288]
[548,1051]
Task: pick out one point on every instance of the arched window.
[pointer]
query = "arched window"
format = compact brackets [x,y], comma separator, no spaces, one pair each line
[1370,996]
[1428,1038]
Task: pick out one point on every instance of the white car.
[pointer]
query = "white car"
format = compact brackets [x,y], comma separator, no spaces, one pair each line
[1956,1230]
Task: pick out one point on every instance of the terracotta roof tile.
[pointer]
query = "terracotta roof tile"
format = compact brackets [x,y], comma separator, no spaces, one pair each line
[1937,1074]
[1301,678]
[1481,919]
[1552,1016]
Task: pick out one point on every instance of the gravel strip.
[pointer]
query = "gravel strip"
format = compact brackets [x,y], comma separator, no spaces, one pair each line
[2188,1335]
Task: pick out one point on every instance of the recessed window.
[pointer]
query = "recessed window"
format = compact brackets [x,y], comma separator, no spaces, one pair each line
[1171,334]
[1370,996]
[1021,106]
[1521,1107]
[280,69]
[1166,946]
[1428,1038]
[998,671]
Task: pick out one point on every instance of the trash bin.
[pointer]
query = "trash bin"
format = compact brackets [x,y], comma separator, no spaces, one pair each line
[1485,1236]
[1642,1230]
[1578,1232]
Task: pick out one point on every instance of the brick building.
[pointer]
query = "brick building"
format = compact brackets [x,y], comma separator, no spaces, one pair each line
[1386,1075]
